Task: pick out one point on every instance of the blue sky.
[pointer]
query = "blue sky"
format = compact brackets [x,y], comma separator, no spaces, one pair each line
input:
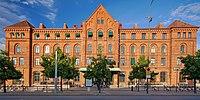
[53,13]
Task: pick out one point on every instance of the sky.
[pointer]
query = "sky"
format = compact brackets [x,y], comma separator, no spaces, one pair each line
[54,13]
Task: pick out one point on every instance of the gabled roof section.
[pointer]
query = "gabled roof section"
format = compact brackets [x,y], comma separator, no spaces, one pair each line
[98,9]
[180,24]
[22,24]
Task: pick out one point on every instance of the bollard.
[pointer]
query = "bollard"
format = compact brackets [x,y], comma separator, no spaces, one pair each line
[131,88]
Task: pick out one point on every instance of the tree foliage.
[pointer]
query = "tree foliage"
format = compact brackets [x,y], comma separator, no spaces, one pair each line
[192,69]
[99,70]
[65,66]
[7,69]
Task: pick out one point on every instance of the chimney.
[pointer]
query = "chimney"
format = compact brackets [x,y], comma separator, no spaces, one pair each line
[65,26]
[159,25]
[81,26]
[120,25]
[135,26]
[75,26]
[41,26]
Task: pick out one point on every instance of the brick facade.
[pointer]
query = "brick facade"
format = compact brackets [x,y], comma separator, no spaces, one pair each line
[165,46]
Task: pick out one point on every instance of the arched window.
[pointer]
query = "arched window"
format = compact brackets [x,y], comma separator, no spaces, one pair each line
[37,49]
[100,48]
[142,49]
[57,35]
[182,48]
[89,48]
[110,48]
[18,48]
[122,49]
[100,34]
[153,49]
[47,49]
[163,49]
[132,49]
[90,34]
[36,76]
[67,49]
[77,49]
[110,34]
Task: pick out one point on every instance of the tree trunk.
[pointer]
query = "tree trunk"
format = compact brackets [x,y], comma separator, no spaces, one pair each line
[138,85]
[195,88]
[61,84]
[4,86]
[99,86]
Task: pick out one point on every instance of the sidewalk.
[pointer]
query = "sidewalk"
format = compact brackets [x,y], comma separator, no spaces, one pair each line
[104,92]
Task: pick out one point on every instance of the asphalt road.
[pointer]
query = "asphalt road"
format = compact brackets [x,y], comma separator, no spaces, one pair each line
[99,97]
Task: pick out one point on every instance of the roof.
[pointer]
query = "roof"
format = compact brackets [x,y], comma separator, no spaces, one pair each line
[178,24]
[23,23]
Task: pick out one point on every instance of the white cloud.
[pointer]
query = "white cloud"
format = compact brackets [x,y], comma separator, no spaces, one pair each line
[51,17]
[190,11]
[2,43]
[45,3]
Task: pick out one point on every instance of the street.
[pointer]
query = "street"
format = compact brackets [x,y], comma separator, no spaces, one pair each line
[99,97]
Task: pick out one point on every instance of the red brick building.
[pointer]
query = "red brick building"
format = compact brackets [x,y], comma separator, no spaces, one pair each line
[26,44]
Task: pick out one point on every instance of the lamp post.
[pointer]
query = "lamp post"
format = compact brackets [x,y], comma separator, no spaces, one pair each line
[55,80]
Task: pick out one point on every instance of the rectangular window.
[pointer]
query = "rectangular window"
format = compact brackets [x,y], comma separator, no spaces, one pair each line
[163,61]
[37,49]
[163,77]
[22,34]
[98,21]
[178,61]
[152,61]
[143,35]
[77,78]
[110,48]
[37,61]
[132,61]
[102,21]
[89,61]
[122,61]
[14,59]
[21,61]
[133,36]
[179,35]
[189,34]
[47,49]
[77,61]
[164,36]
[184,34]
[154,36]
[123,36]
[122,77]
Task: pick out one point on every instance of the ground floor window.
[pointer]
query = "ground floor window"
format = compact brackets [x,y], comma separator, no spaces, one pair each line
[122,77]
[162,76]
[36,76]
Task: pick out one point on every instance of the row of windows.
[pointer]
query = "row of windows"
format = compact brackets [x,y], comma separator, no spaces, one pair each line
[21,60]
[184,35]
[57,36]
[133,36]
[17,35]
[100,48]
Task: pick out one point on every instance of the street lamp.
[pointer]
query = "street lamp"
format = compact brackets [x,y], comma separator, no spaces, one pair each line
[23,79]
[55,80]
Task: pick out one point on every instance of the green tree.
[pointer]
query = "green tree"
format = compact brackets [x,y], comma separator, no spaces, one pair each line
[99,70]
[139,70]
[7,69]
[191,69]
[66,68]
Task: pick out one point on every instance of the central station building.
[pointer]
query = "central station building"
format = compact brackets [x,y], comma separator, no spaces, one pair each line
[100,32]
